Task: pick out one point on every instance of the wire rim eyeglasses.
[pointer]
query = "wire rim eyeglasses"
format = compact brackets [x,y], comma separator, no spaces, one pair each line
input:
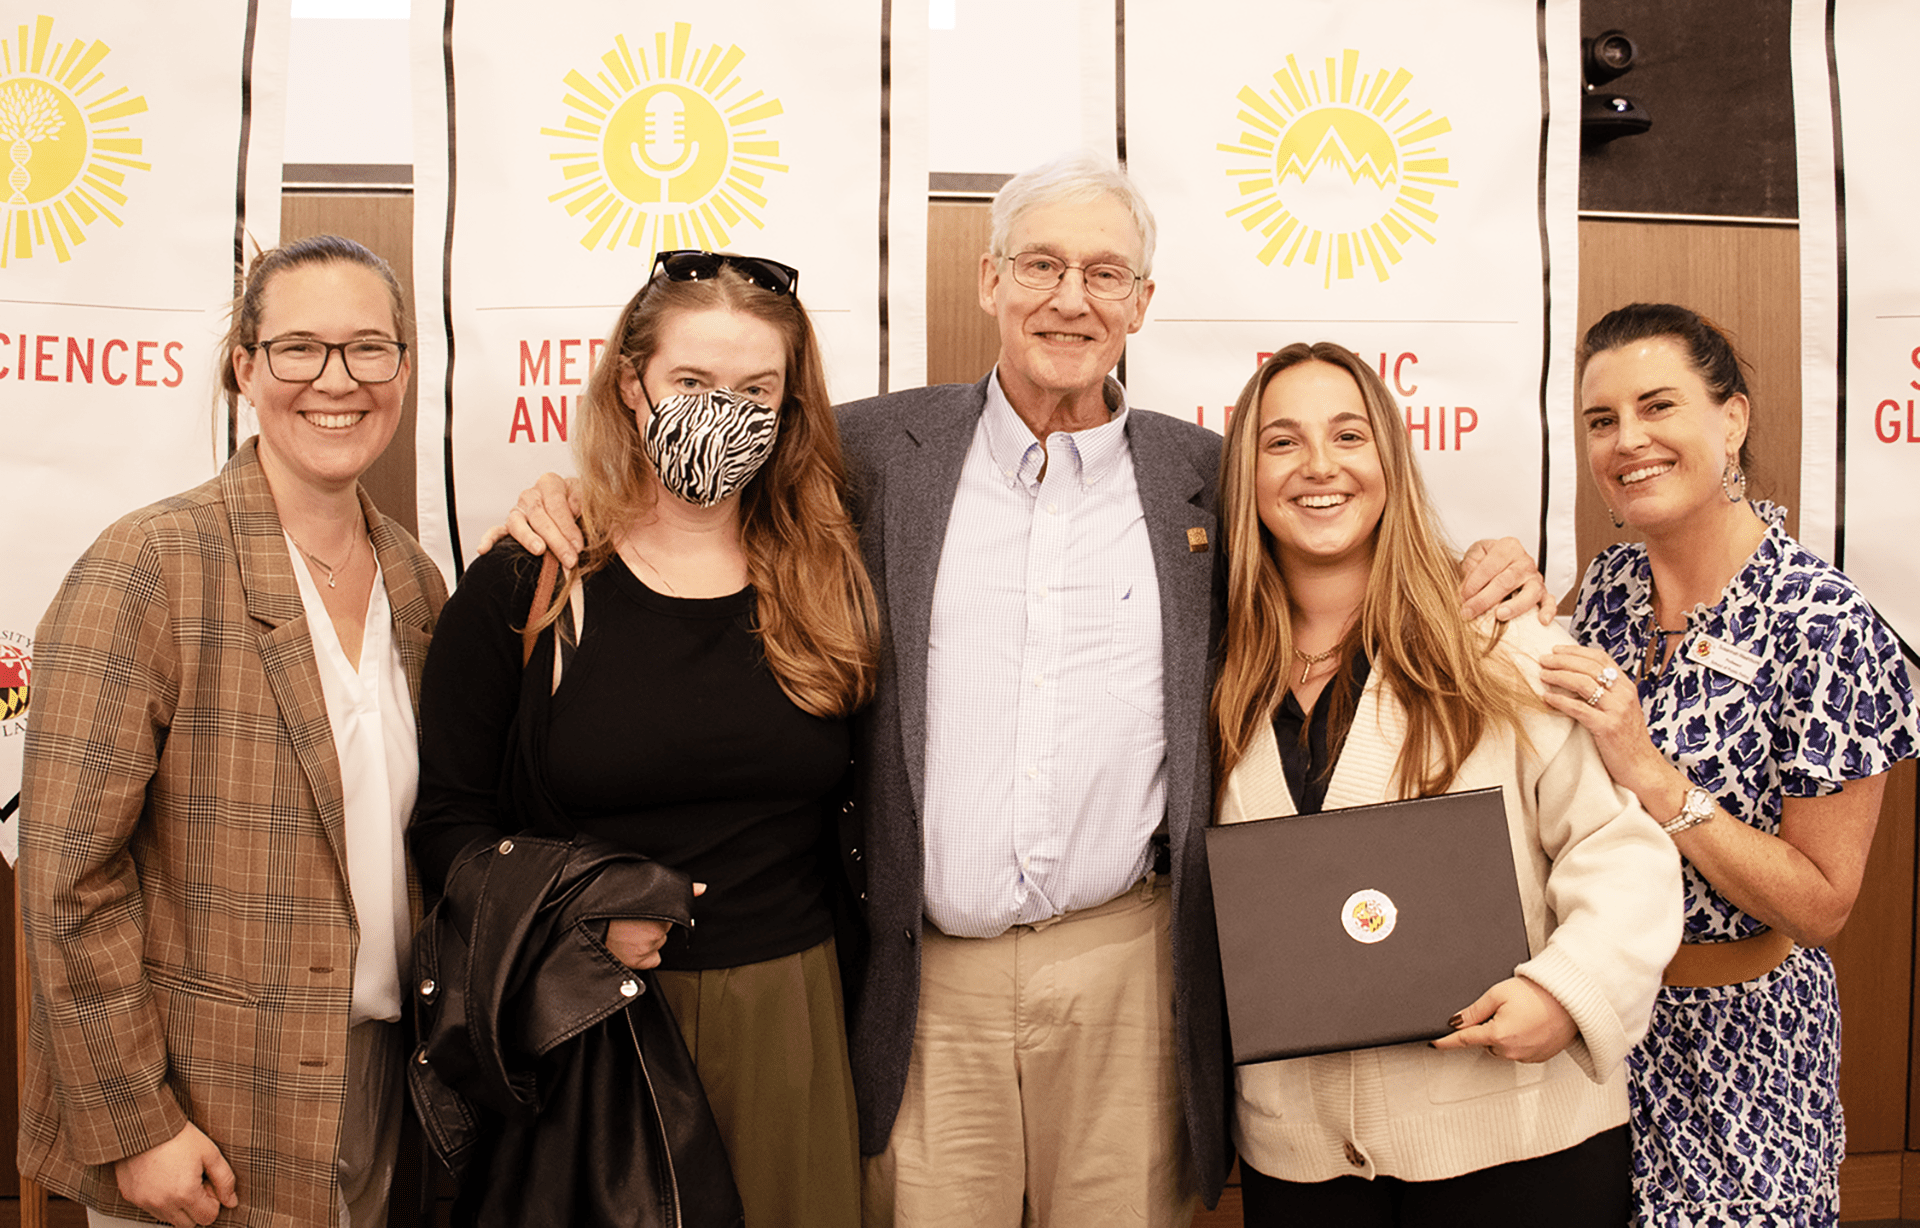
[1045,271]
[302,360]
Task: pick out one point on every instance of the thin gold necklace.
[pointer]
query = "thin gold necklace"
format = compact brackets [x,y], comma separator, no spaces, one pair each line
[352,550]
[648,563]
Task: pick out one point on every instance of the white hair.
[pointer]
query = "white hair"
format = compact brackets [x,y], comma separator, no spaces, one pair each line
[1071,179]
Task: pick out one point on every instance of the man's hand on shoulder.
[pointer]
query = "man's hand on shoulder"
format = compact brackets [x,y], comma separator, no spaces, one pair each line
[545,517]
[1501,576]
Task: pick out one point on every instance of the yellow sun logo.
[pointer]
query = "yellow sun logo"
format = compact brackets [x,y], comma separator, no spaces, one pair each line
[67,156]
[665,152]
[1338,178]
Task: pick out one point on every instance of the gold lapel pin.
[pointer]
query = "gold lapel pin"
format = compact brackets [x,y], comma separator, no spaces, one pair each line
[1196,540]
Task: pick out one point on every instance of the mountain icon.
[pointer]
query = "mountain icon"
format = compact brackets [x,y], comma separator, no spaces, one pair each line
[1347,140]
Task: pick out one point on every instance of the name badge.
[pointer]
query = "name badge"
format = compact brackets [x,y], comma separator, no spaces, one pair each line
[1724,658]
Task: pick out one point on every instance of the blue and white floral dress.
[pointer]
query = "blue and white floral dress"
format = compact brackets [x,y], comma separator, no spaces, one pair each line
[1735,1099]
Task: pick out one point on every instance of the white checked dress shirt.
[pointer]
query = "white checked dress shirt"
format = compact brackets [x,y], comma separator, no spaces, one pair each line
[1046,746]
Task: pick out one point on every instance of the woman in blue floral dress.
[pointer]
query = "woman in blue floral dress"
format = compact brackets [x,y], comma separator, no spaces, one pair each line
[1771,702]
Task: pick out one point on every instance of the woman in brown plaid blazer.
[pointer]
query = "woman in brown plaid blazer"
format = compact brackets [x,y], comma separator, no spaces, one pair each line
[197,951]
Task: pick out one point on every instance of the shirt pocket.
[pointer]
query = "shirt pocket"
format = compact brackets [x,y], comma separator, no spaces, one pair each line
[1134,665]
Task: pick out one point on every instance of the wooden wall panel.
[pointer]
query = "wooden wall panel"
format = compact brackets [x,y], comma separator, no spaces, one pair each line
[13,1033]
[1870,1186]
[962,341]
[1873,958]
[383,221]
[1744,278]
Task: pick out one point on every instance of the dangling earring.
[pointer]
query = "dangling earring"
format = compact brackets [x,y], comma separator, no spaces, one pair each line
[1615,517]
[1733,476]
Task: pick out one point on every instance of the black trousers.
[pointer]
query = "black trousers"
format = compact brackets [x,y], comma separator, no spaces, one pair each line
[1585,1186]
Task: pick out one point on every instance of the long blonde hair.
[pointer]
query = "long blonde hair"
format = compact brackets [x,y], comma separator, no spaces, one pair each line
[815,612]
[1409,624]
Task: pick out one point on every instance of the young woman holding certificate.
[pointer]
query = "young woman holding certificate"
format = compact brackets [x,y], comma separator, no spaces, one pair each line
[1350,678]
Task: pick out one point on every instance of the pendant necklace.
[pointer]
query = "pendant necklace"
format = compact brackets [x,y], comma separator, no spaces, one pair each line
[329,566]
[1310,659]
[1653,660]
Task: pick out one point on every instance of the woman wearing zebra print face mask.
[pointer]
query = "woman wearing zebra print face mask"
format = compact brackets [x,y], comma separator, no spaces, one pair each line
[699,711]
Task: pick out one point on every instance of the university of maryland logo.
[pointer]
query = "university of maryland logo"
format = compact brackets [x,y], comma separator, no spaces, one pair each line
[665,146]
[1369,916]
[67,144]
[1337,169]
[16,677]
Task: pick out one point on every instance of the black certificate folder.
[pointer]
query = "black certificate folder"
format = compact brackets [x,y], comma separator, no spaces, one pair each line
[1351,929]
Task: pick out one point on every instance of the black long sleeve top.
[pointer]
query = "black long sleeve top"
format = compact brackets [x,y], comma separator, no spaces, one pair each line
[668,735]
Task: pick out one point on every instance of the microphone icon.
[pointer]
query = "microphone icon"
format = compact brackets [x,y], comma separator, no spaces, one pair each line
[664,147]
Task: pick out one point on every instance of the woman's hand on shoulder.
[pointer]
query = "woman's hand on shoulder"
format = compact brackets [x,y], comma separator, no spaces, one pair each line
[1586,685]
[184,1181]
[1516,1020]
[545,517]
[1501,576]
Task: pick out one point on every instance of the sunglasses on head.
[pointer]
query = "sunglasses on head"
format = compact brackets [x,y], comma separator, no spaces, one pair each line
[692,265]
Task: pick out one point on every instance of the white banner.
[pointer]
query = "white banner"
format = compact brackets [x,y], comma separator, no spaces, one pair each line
[1395,175]
[133,173]
[560,148]
[1858,126]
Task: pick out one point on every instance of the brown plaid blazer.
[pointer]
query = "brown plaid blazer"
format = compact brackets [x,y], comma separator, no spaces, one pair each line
[183,856]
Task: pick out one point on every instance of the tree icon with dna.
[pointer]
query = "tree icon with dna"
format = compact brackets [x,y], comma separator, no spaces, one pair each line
[29,112]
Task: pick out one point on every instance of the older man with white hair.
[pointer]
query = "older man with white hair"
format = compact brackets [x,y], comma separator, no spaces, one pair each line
[1038,1035]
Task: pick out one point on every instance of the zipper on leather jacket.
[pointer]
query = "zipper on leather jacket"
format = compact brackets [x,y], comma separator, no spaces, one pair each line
[659,1123]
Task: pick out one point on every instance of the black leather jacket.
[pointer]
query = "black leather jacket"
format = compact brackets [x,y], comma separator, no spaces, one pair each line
[551,1079]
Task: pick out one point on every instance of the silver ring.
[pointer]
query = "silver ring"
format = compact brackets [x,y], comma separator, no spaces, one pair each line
[1593,700]
[1609,676]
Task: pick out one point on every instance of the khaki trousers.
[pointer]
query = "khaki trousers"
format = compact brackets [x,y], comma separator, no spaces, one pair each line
[1043,1088]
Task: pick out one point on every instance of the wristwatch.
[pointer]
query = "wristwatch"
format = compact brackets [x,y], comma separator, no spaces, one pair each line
[1697,809]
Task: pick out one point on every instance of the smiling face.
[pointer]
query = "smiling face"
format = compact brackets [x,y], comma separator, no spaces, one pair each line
[1318,480]
[324,433]
[1058,345]
[1657,444]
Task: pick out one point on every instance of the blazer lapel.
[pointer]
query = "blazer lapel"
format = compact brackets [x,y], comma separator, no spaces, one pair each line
[922,481]
[1172,497]
[285,641]
[413,611]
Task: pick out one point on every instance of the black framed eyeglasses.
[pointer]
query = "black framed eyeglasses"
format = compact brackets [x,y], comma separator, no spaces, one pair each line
[1044,271]
[690,264]
[300,360]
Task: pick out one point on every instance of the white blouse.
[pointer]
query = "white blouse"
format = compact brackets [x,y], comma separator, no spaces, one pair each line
[374,735]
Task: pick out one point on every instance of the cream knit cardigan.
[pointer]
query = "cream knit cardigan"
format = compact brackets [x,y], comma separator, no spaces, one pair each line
[1600,886]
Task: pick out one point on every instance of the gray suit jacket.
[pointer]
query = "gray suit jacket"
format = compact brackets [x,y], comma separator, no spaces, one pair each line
[904,455]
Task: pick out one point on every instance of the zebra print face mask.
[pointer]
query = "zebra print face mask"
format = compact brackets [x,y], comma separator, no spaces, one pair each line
[707,445]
